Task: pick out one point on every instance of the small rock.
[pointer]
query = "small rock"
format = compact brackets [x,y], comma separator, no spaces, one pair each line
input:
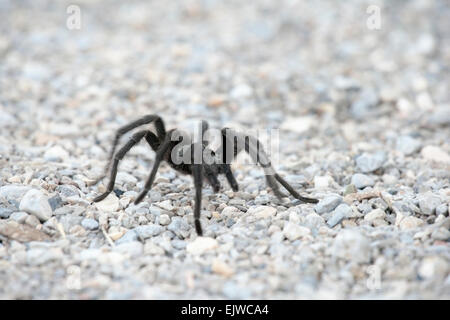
[148,231]
[129,236]
[89,224]
[328,204]
[374,215]
[56,154]
[164,219]
[433,267]
[36,203]
[19,216]
[361,181]
[201,245]
[321,182]
[352,245]
[434,153]
[341,212]
[109,204]
[370,162]
[13,192]
[349,189]
[262,212]
[55,202]
[221,268]
[5,213]
[428,203]
[133,248]
[20,232]
[440,210]
[293,231]
[166,205]
[298,124]
[408,145]
[410,222]
[441,234]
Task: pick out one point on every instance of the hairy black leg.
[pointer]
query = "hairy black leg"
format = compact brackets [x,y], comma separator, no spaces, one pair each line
[153,140]
[198,180]
[117,157]
[212,177]
[292,191]
[254,148]
[226,169]
[160,130]
[159,156]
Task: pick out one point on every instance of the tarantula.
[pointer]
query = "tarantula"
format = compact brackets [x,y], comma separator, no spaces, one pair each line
[172,145]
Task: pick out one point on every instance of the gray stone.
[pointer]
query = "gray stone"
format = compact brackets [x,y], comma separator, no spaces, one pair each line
[361,181]
[428,203]
[5,212]
[19,216]
[340,213]
[55,202]
[441,234]
[352,245]
[441,209]
[328,204]
[133,248]
[407,145]
[164,219]
[369,162]
[13,192]
[178,226]
[130,235]
[36,203]
[148,231]
[89,224]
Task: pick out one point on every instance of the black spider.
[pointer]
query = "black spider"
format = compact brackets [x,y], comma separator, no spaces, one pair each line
[164,143]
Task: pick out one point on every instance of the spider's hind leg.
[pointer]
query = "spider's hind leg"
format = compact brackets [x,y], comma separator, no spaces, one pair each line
[117,157]
[160,130]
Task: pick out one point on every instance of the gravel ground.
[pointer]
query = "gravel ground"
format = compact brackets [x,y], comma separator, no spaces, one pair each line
[364,121]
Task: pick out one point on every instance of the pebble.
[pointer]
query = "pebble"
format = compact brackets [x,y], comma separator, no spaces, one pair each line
[201,245]
[109,204]
[179,226]
[133,248]
[433,267]
[148,231]
[5,213]
[164,219]
[370,162]
[352,245]
[341,212]
[361,181]
[89,224]
[262,212]
[293,231]
[321,182]
[32,221]
[221,268]
[410,223]
[19,216]
[428,203]
[13,192]
[166,205]
[408,145]
[36,203]
[436,154]
[328,204]
[441,234]
[56,154]
[375,215]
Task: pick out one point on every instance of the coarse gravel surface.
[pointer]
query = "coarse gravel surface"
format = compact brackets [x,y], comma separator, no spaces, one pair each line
[363,121]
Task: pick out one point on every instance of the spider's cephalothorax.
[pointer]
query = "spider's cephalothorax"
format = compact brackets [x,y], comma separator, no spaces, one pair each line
[164,143]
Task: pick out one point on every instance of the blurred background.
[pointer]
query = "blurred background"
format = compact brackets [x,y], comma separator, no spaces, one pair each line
[339,78]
